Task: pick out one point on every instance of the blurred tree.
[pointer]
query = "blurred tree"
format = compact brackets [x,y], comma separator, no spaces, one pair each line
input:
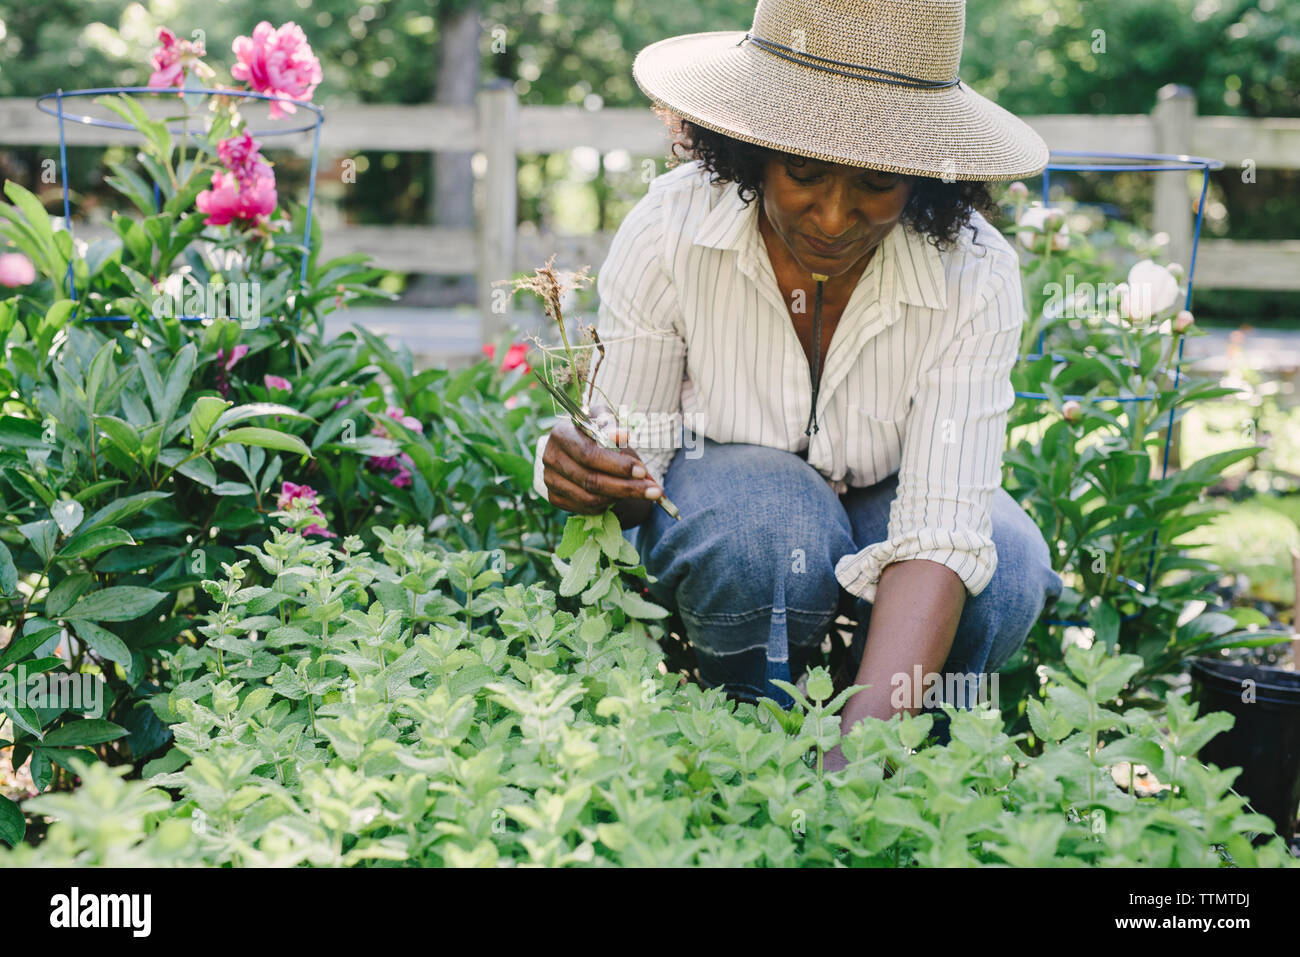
[1111,56]
[1034,56]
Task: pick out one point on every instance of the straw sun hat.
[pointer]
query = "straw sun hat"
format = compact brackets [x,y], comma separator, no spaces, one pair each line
[869,83]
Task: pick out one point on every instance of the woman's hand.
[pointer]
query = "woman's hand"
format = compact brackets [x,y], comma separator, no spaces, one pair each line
[582,477]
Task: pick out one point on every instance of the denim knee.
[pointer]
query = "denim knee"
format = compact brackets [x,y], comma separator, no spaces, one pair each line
[750,515]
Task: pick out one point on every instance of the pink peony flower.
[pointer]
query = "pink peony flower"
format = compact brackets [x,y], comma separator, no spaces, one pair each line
[229,199]
[410,421]
[237,353]
[173,57]
[400,463]
[514,358]
[16,270]
[277,62]
[239,154]
[290,492]
[277,382]
[398,415]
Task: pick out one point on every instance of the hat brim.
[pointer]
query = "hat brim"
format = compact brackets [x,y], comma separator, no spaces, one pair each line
[747,93]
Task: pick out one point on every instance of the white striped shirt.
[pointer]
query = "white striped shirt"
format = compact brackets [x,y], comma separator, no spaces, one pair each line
[916,379]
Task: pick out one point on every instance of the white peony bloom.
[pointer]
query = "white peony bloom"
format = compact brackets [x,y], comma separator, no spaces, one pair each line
[1039,217]
[1150,290]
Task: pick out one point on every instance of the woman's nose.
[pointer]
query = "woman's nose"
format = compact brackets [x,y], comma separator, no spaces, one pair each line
[833,214]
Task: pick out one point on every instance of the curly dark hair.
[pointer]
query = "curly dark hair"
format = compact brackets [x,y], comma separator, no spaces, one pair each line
[936,209]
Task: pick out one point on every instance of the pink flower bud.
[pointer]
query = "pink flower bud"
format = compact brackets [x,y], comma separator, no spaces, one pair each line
[16,270]
[1018,191]
[1183,321]
[1072,411]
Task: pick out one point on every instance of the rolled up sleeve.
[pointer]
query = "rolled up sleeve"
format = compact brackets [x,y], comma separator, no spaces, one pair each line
[951,465]
[639,323]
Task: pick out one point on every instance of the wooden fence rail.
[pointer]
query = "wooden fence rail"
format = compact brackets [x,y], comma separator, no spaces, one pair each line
[500,128]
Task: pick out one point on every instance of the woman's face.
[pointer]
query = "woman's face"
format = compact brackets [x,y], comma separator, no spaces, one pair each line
[849,208]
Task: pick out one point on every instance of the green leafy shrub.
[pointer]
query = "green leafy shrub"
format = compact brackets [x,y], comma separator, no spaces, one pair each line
[1088,469]
[404,706]
[135,456]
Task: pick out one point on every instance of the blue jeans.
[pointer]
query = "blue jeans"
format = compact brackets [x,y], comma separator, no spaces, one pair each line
[751,515]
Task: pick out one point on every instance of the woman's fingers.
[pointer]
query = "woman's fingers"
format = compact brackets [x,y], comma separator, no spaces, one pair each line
[605,473]
[620,462]
[583,477]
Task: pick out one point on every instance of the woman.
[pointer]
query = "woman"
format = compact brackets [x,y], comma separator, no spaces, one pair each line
[819,296]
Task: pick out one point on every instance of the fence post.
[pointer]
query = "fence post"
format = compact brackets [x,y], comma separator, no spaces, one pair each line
[1173,118]
[498,119]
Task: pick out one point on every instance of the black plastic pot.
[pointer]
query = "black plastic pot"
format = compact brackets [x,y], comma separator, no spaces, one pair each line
[1264,742]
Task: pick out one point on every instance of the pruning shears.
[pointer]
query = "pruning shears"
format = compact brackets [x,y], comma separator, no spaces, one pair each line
[584,424]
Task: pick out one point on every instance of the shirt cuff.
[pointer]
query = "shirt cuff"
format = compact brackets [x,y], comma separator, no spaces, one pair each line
[974,565]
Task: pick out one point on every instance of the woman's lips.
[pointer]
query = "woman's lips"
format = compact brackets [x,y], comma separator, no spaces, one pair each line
[825,249]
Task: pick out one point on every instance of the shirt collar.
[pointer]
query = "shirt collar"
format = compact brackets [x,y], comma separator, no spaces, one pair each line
[918,269]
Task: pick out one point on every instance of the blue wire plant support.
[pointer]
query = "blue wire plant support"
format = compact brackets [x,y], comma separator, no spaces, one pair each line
[54,105]
[1096,162]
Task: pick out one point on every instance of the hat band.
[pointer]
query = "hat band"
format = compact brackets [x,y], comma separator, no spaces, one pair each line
[890,77]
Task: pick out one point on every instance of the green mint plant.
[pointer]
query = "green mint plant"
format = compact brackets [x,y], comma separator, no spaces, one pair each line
[324,722]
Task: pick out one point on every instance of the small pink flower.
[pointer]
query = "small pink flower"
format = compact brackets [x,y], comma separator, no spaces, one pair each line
[290,491]
[410,421]
[400,463]
[277,382]
[278,63]
[512,401]
[237,353]
[16,270]
[398,415]
[515,358]
[173,57]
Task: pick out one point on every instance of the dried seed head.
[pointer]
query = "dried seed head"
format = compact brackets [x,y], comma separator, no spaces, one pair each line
[582,364]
